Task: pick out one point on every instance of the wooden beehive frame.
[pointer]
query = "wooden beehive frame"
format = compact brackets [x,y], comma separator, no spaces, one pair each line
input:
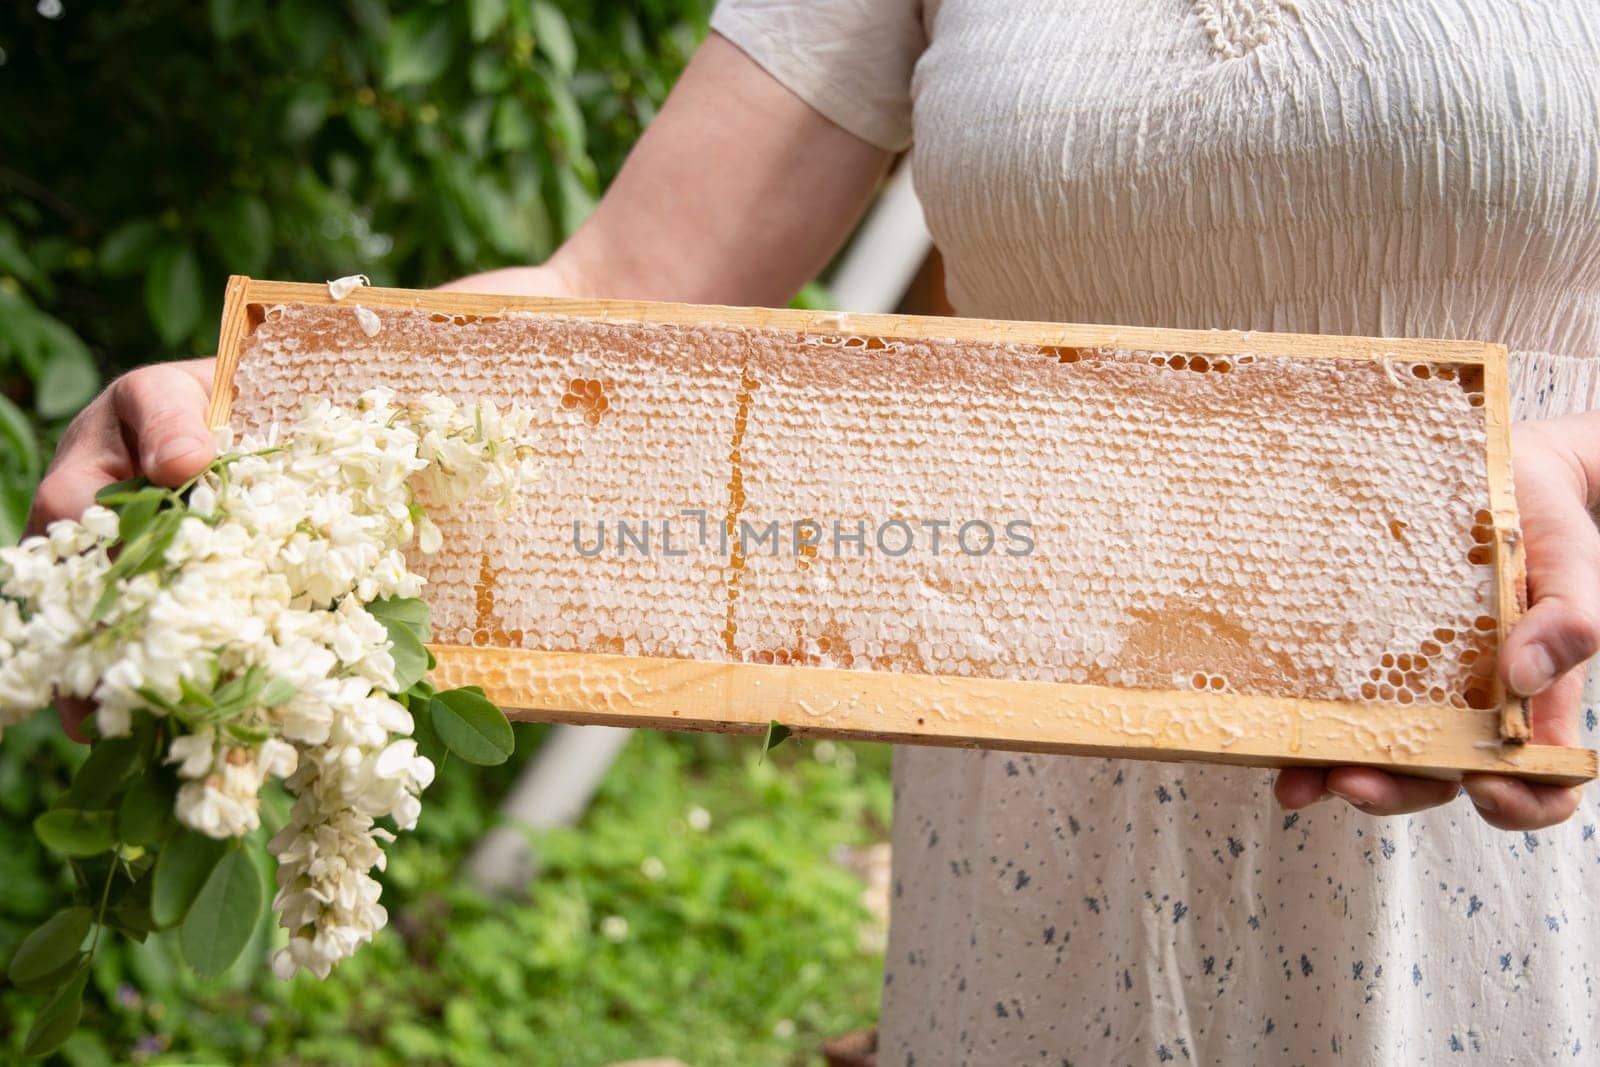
[1022,715]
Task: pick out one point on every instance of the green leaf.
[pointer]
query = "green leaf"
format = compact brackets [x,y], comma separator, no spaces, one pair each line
[242,231]
[130,908]
[194,695]
[417,50]
[566,118]
[148,550]
[69,832]
[16,495]
[488,72]
[310,27]
[576,200]
[230,18]
[472,123]
[17,438]
[513,127]
[14,259]
[472,727]
[135,515]
[69,381]
[428,743]
[58,1018]
[155,699]
[113,762]
[184,866]
[366,122]
[305,110]
[134,923]
[241,690]
[224,916]
[108,600]
[47,983]
[484,17]
[52,946]
[146,809]
[161,531]
[144,553]
[172,292]
[410,611]
[123,491]
[777,734]
[410,658]
[249,735]
[554,37]
[527,223]
[127,248]
[278,691]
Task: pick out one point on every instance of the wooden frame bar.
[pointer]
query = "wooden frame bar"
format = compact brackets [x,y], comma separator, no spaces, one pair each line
[1430,740]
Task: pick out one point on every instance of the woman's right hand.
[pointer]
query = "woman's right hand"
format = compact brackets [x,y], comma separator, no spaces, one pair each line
[150,422]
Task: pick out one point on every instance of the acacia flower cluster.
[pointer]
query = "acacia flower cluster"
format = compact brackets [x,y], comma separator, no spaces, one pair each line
[265,619]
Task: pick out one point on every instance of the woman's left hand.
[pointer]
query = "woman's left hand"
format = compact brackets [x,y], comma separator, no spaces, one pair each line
[1557,468]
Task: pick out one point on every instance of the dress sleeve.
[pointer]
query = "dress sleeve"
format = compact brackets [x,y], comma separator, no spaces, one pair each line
[849,59]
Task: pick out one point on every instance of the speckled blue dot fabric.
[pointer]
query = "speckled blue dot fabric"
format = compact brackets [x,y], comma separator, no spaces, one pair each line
[1098,912]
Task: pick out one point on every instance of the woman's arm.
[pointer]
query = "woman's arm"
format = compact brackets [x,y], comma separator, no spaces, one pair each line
[737,193]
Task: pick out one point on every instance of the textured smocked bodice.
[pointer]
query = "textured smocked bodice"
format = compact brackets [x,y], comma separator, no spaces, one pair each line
[1421,169]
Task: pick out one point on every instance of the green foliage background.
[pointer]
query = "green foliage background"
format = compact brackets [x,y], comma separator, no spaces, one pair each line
[149,149]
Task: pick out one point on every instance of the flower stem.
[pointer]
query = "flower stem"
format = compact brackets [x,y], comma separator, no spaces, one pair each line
[100,915]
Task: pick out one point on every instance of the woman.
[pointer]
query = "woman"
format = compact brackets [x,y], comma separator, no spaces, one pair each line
[1419,168]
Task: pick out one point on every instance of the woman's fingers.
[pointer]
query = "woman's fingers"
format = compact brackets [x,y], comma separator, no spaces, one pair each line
[1544,655]
[150,421]
[1300,787]
[162,410]
[1380,793]
[1562,627]
[1561,630]
[1553,712]
[1512,804]
[69,487]
[1504,803]
[1365,788]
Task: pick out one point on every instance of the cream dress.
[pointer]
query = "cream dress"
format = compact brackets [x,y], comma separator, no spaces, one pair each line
[1396,167]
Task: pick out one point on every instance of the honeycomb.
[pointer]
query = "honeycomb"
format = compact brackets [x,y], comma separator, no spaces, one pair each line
[1257,524]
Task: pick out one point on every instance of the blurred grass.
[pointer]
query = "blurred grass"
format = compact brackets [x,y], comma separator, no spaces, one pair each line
[739,943]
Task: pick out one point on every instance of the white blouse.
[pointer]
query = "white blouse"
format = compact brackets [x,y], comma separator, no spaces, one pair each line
[1391,167]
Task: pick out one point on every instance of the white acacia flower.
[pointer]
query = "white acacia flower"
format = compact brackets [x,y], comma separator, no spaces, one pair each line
[282,545]
[222,795]
[429,539]
[339,288]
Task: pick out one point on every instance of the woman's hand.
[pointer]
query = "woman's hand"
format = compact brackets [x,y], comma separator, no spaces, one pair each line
[1557,467]
[151,422]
